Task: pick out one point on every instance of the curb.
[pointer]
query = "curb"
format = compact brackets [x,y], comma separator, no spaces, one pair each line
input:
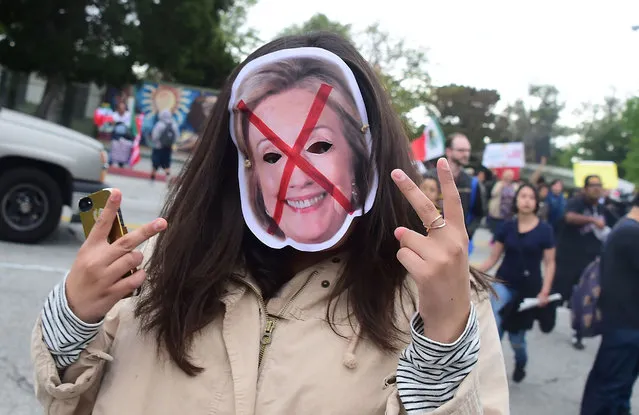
[138,174]
[145,152]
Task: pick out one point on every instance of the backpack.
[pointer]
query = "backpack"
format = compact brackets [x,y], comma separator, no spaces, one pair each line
[586,316]
[167,137]
[120,130]
[474,188]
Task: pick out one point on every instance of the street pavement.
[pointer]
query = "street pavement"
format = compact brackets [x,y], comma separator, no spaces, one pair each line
[556,372]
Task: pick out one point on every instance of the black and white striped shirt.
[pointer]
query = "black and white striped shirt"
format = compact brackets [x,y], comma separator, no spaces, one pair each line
[428,374]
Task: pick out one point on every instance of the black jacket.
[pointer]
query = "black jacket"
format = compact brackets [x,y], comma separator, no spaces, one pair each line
[464,186]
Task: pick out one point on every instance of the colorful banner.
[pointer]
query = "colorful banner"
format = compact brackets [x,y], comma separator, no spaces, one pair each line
[498,155]
[190,106]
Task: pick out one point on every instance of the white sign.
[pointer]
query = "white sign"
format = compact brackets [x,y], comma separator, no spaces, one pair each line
[504,155]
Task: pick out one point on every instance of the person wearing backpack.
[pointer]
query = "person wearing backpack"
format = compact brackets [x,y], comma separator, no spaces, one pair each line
[164,135]
[616,367]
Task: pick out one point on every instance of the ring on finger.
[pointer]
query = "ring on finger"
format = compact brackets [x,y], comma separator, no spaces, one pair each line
[435,225]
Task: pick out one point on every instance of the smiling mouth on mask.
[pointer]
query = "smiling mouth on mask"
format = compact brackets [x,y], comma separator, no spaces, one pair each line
[305,203]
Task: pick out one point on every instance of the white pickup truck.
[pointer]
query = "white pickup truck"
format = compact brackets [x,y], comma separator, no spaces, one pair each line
[43,166]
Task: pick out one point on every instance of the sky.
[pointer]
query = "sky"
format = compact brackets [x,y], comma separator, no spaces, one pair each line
[586,49]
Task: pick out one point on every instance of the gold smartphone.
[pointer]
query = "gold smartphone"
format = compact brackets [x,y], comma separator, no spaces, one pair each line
[90,209]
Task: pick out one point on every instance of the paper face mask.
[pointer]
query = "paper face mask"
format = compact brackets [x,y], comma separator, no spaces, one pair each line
[300,126]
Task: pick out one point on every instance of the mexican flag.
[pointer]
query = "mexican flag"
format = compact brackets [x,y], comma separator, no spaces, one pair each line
[431,144]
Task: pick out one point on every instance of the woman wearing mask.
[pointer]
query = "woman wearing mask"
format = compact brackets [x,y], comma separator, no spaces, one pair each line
[524,242]
[371,318]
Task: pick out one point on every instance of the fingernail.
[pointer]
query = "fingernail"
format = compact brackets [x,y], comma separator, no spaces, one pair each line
[398,175]
[115,197]
[445,164]
[158,224]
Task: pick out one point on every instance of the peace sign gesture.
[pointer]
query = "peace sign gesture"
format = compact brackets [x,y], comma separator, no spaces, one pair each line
[438,262]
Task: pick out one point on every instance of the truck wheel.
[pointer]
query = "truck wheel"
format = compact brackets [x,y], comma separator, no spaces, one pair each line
[30,205]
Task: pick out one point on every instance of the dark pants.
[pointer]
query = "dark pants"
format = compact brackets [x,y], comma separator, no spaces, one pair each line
[609,386]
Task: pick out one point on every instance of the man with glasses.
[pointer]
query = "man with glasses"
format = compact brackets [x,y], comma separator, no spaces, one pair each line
[458,155]
[580,240]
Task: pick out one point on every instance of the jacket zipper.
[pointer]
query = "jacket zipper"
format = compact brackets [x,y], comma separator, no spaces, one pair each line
[271,319]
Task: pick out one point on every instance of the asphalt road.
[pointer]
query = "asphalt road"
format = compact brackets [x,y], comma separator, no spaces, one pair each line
[556,372]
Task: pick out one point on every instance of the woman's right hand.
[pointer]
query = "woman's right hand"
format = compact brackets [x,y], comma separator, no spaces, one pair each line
[95,282]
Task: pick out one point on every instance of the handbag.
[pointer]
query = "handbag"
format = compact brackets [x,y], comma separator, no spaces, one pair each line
[584,309]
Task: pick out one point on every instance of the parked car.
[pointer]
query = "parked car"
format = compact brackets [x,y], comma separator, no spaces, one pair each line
[43,166]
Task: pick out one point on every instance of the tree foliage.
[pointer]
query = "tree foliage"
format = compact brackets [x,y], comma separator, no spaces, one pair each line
[240,40]
[630,122]
[101,40]
[402,69]
[534,119]
[469,111]
[318,23]
[603,135]
[68,40]
[607,133]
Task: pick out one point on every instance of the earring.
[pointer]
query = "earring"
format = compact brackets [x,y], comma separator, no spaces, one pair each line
[247,163]
[354,193]
[364,128]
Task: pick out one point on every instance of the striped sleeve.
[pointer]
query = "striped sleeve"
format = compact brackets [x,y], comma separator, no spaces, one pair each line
[63,332]
[429,373]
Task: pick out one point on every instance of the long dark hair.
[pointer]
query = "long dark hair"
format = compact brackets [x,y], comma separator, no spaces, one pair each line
[207,240]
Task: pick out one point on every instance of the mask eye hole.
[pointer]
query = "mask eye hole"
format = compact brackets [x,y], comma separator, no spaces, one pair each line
[271,158]
[319,147]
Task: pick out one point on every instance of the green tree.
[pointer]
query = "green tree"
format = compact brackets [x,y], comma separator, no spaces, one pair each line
[240,40]
[603,134]
[183,39]
[403,72]
[401,68]
[67,41]
[100,40]
[537,120]
[630,121]
[318,23]
[469,111]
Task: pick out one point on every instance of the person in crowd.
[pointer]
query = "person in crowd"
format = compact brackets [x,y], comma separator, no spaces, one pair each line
[556,202]
[483,187]
[580,240]
[384,319]
[121,137]
[502,197]
[525,243]
[122,115]
[163,137]
[458,155]
[543,191]
[612,377]
[431,188]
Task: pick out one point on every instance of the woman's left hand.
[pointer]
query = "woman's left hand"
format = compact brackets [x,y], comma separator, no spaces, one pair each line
[542,297]
[438,262]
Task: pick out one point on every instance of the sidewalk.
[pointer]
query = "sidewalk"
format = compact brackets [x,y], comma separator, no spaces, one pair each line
[140,170]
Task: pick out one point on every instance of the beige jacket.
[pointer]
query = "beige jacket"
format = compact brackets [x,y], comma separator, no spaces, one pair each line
[305,367]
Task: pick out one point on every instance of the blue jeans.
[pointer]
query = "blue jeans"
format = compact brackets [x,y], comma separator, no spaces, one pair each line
[518,339]
[609,386]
